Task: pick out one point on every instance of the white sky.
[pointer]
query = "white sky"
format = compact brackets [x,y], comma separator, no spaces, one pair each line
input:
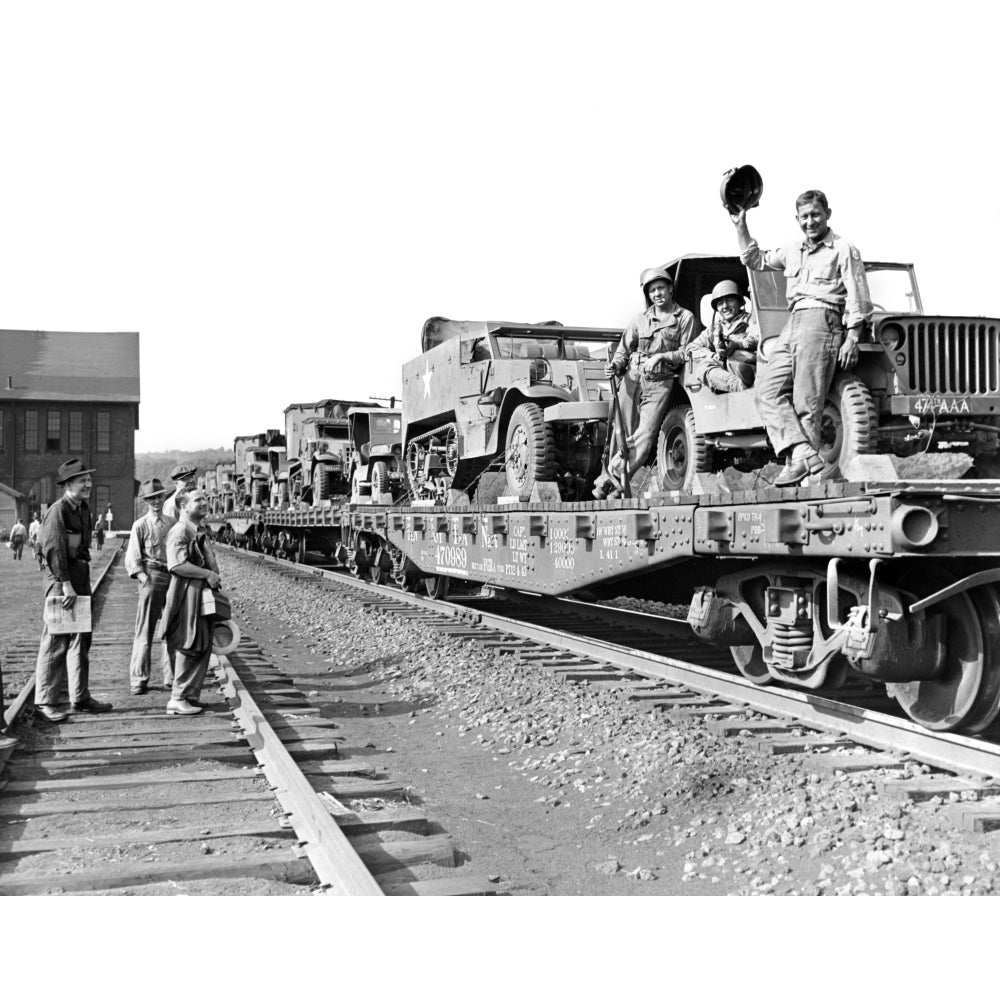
[277,195]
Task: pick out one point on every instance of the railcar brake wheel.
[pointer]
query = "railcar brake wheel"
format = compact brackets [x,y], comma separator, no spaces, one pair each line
[531,449]
[436,587]
[966,696]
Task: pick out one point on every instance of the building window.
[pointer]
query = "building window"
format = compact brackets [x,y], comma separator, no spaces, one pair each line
[75,430]
[31,430]
[53,431]
[103,430]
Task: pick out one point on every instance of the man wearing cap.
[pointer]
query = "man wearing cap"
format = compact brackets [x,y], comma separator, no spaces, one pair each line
[183,476]
[648,357]
[826,291]
[192,566]
[146,561]
[723,356]
[65,547]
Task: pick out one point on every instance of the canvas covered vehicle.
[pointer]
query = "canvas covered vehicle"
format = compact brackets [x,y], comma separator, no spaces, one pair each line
[319,450]
[376,463]
[530,399]
[921,383]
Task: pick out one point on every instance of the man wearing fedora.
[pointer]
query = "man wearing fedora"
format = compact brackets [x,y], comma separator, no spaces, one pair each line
[184,476]
[146,561]
[65,547]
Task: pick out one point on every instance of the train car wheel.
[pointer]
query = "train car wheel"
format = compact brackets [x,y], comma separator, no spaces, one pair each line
[965,695]
[750,660]
[531,449]
[436,587]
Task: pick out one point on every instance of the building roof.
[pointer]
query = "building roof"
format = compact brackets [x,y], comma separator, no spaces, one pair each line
[4,488]
[82,367]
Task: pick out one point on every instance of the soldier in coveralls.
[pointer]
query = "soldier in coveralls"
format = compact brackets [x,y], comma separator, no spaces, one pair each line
[826,290]
[648,357]
[65,547]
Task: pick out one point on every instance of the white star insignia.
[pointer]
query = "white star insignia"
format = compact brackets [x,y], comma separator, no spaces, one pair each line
[426,377]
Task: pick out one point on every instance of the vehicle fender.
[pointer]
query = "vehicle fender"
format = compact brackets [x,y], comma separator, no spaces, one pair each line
[543,395]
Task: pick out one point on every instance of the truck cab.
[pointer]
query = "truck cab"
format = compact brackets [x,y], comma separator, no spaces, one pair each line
[376,454]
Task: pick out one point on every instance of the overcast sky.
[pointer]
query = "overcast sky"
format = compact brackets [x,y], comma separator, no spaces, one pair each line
[277,195]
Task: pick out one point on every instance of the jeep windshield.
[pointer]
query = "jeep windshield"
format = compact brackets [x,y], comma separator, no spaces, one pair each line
[386,426]
[893,288]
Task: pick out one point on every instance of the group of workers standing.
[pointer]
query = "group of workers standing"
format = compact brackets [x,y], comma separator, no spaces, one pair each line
[170,556]
[829,305]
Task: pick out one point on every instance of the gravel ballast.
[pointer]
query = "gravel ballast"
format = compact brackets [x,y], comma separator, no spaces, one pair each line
[568,788]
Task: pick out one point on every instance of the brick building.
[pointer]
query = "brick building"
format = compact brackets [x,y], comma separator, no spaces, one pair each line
[69,395]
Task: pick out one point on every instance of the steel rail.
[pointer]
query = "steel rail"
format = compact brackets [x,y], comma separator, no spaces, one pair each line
[340,870]
[947,751]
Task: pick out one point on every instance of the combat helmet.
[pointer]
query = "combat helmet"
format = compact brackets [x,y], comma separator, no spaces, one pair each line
[652,274]
[724,288]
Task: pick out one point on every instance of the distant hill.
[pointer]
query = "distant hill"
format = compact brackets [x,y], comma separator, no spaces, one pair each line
[159,463]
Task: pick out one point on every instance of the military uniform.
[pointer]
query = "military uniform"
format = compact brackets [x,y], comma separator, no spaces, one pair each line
[65,548]
[826,288]
[147,553]
[723,356]
[645,396]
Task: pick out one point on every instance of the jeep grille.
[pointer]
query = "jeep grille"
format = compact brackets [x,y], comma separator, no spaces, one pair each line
[952,357]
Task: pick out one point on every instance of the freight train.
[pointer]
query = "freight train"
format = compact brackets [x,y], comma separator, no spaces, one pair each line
[876,570]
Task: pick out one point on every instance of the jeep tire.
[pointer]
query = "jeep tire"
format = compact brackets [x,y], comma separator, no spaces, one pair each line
[680,450]
[850,424]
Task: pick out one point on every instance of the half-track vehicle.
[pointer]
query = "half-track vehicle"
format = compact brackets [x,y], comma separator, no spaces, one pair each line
[376,463]
[531,399]
[922,383]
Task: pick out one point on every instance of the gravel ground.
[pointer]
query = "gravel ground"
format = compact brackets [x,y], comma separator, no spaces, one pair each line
[568,788]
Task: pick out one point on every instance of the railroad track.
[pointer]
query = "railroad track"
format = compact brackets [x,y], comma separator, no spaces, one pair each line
[248,797]
[661,665]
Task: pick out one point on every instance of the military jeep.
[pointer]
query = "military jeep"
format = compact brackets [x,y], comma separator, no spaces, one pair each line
[376,462]
[921,382]
[531,399]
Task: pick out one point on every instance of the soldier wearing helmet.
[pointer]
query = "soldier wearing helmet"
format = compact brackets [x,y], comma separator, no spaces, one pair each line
[648,358]
[723,357]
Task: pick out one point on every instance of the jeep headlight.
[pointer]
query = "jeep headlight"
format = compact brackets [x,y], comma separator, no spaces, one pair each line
[890,336]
